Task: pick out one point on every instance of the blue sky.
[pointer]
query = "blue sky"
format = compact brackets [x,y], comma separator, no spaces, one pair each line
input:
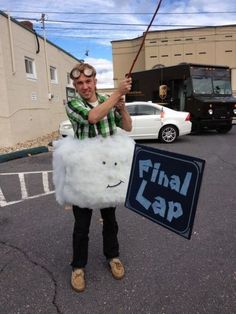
[86,28]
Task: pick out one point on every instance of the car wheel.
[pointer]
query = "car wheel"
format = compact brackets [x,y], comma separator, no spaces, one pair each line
[168,134]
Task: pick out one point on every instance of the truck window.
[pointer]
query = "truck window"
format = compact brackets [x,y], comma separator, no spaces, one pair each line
[221,82]
[211,81]
[201,80]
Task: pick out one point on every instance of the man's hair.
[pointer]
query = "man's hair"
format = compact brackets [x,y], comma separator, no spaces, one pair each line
[82,66]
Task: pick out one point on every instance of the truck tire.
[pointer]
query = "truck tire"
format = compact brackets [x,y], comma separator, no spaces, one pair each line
[168,134]
[224,129]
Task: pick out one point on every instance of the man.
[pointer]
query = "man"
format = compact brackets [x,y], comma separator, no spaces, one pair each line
[93,114]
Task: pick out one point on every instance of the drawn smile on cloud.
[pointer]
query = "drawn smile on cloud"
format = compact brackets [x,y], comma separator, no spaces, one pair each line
[115,185]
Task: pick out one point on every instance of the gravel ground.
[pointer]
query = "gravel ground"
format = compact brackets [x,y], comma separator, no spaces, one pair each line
[45,140]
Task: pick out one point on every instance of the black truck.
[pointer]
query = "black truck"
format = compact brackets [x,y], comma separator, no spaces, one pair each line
[203,90]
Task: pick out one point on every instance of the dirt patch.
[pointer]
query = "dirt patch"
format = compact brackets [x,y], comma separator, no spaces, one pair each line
[45,140]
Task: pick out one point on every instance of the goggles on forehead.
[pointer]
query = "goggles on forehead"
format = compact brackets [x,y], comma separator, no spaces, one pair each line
[75,73]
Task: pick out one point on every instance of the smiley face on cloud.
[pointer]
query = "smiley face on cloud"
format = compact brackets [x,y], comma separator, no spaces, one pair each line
[92,173]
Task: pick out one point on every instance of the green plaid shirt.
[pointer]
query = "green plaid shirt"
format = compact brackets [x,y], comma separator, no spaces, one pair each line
[78,110]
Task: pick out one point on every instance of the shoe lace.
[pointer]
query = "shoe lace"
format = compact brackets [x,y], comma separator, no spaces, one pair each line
[118,264]
[78,274]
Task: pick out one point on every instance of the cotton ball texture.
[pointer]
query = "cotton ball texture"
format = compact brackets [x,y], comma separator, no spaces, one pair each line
[92,173]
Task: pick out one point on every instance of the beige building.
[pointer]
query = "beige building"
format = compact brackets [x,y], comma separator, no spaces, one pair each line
[34,83]
[206,45]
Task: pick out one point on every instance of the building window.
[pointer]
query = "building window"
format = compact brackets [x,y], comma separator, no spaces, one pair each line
[30,68]
[202,52]
[189,54]
[228,51]
[153,56]
[153,42]
[177,54]
[68,79]
[53,74]
[188,39]
[164,56]
[202,38]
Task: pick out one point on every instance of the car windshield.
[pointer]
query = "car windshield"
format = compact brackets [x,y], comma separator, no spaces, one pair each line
[211,81]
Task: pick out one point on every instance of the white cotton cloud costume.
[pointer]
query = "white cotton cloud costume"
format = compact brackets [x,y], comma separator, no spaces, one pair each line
[92,173]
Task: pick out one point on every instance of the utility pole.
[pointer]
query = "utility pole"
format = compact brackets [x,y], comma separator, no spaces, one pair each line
[42,20]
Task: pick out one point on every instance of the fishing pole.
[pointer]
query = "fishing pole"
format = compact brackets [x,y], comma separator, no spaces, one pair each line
[145,34]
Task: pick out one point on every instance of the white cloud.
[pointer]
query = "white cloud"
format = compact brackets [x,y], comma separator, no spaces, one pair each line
[104,70]
[78,37]
[75,163]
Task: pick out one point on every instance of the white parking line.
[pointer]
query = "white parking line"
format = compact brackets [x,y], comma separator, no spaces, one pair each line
[45,181]
[2,199]
[27,172]
[2,204]
[24,192]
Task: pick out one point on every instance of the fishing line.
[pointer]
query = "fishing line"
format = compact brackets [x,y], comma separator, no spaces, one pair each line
[145,34]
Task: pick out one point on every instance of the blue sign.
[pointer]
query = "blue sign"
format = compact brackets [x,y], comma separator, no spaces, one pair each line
[164,187]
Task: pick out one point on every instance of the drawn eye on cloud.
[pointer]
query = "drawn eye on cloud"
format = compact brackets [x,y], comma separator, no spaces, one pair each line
[94,172]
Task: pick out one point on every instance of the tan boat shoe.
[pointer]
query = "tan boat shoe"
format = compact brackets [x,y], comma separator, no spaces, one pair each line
[77,280]
[117,268]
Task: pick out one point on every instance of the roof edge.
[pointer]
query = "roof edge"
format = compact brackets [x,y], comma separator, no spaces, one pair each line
[33,32]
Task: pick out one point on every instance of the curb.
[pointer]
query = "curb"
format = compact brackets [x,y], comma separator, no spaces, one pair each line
[23,153]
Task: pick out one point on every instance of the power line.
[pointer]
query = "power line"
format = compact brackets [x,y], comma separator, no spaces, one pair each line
[108,23]
[51,28]
[121,13]
[82,22]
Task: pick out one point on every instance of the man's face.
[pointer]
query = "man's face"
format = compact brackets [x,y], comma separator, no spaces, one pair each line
[86,87]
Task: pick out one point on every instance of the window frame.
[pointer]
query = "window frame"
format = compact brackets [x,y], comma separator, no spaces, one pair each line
[68,79]
[136,110]
[30,68]
[150,110]
[132,110]
[54,77]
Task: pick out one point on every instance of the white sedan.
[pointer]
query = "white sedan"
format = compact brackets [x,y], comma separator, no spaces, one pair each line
[150,121]
[155,121]
[66,129]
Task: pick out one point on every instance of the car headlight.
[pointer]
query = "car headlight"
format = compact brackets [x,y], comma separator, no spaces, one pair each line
[234,111]
[210,111]
[67,126]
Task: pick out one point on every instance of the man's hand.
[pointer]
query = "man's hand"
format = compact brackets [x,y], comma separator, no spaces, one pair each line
[125,86]
[120,106]
[99,112]
[126,119]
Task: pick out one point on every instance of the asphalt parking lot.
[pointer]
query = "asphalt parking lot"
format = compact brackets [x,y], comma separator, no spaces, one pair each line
[165,273]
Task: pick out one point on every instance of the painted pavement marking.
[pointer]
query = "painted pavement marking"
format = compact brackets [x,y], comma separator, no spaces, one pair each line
[24,192]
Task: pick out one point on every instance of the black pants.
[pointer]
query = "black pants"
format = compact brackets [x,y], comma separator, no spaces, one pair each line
[81,235]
